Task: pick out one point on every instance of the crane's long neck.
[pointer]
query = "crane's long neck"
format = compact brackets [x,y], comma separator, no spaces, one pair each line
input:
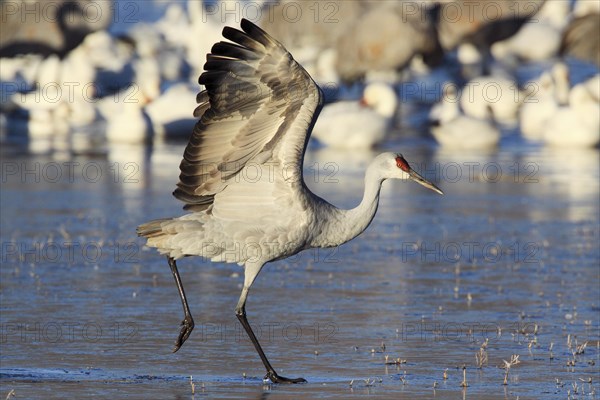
[347,224]
[360,217]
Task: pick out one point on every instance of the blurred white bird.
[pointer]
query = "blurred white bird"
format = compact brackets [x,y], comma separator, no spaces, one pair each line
[358,124]
[41,103]
[47,93]
[170,112]
[175,25]
[320,64]
[147,77]
[147,38]
[205,31]
[20,67]
[78,72]
[539,104]
[454,130]
[497,93]
[577,124]
[593,86]
[107,53]
[144,88]
[538,39]
[542,100]
[129,124]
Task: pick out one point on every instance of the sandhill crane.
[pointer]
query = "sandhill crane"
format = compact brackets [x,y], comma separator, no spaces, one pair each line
[482,23]
[580,39]
[257,112]
[371,42]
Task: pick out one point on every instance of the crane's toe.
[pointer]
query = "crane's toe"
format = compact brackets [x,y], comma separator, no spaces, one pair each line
[187,325]
[273,377]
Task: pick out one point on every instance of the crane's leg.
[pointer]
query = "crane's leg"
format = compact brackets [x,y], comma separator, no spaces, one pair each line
[187,325]
[240,312]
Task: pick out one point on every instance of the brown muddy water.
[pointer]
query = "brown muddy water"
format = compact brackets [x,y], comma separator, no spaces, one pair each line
[505,264]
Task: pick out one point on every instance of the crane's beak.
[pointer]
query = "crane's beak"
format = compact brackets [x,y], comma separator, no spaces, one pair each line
[419,179]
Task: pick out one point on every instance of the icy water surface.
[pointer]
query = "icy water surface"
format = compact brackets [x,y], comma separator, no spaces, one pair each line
[509,255]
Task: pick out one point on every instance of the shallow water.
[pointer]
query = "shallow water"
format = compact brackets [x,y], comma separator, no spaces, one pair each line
[510,254]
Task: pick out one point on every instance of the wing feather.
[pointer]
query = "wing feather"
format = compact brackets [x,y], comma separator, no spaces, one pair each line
[259,106]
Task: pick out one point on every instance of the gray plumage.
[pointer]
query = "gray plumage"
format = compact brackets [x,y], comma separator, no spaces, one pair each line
[49,27]
[482,23]
[581,38]
[386,38]
[241,174]
[297,24]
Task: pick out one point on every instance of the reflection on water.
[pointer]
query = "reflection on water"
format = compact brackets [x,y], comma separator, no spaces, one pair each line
[572,176]
[510,253]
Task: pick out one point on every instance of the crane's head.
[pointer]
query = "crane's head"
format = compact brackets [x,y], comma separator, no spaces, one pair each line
[395,166]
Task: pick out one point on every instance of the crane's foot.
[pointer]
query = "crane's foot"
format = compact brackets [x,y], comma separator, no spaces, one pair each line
[187,325]
[273,377]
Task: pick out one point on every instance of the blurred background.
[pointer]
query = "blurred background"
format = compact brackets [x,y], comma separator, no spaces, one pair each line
[496,101]
[78,76]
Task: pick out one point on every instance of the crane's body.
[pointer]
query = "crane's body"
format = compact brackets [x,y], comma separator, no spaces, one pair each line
[241,174]
[246,228]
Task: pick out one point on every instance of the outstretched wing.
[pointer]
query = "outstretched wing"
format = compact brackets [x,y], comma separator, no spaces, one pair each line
[259,106]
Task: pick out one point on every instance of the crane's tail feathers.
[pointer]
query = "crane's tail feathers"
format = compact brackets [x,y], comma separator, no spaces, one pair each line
[152,229]
[178,237]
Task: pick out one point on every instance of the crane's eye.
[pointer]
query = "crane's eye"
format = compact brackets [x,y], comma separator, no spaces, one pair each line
[401,163]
